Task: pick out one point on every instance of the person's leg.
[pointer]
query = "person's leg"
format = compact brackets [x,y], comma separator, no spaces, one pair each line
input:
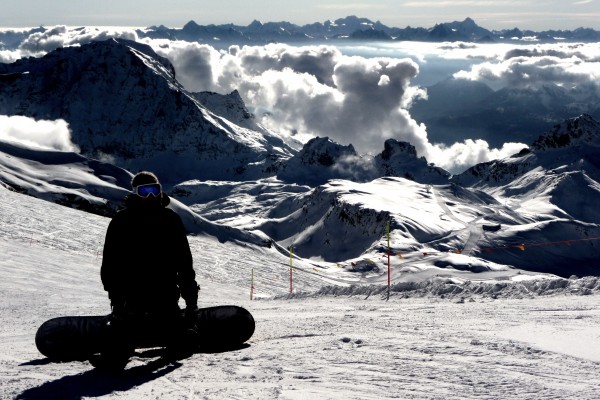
[118,345]
[181,339]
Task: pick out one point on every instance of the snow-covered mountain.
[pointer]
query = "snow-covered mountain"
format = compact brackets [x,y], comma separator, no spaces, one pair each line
[122,101]
[63,177]
[319,160]
[573,145]
[522,211]
[554,187]
[240,182]
[400,159]
[72,180]
[540,200]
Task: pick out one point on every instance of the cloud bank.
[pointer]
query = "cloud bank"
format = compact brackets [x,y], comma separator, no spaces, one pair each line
[41,134]
[317,90]
[572,66]
[39,43]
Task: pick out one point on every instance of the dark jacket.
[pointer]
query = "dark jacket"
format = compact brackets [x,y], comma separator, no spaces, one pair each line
[147,263]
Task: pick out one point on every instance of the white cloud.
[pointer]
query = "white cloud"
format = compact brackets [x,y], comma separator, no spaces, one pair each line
[460,156]
[9,56]
[38,44]
[567,65]
[42,134]
[312,90]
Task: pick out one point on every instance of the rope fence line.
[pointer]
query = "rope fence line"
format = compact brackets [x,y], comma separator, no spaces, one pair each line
[523,246]
[403,256]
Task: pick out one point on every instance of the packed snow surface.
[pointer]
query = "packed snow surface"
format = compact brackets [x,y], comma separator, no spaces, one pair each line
[475,307]
[433,339]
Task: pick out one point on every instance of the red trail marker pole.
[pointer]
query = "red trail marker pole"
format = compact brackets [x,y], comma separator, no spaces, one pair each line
[291,280]
[388,257]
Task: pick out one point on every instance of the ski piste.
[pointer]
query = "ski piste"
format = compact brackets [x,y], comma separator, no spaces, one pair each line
[76,338]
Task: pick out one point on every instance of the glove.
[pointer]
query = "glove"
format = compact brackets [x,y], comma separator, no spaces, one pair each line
[191,316]
[191,312]
[118,306]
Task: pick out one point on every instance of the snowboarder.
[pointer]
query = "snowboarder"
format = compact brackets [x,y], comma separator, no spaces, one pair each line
[147,266]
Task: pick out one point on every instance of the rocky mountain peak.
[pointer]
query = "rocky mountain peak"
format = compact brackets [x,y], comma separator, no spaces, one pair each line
[572,132]
[570,146]
[401,159]
[323,151]
[393,148]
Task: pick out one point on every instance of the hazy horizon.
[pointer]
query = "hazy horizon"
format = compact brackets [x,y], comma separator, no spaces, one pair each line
[502,14]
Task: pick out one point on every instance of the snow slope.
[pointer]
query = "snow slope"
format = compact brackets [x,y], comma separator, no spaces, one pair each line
[422,344]
[554,188]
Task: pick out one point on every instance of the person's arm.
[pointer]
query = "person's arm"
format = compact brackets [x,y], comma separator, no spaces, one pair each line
[186,276]
[110,263]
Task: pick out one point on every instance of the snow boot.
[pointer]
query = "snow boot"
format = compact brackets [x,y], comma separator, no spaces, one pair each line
[109,362]
[183,346]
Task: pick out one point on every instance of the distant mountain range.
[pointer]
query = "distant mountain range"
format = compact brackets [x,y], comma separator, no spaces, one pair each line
[351,28]
[355,28]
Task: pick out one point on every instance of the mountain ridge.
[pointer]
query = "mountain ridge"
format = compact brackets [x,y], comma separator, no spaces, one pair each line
[356,28]
[571,144]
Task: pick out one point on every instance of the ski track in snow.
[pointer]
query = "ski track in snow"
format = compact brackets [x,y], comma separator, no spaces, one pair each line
[472,227]
[329,347]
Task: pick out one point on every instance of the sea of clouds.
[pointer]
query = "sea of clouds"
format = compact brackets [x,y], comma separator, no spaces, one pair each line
[322,90]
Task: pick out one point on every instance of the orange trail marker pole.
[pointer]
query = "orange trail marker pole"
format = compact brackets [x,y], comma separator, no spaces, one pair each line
[252,285]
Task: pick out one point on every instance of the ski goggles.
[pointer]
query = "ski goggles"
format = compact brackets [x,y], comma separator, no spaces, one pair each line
[151,189]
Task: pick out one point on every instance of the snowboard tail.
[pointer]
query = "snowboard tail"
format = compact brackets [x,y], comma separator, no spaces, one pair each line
[76,338]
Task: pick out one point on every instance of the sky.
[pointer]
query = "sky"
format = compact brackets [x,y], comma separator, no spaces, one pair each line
[499,14]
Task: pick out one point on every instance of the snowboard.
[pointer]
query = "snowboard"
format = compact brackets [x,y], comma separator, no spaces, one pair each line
[76,338]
